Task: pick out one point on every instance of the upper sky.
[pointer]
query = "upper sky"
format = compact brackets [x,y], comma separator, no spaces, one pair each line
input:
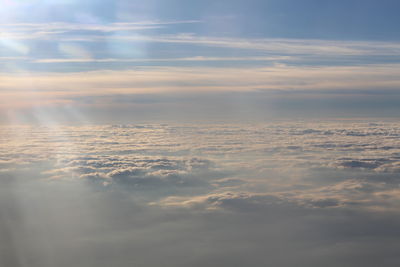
[107,60]
[350,19]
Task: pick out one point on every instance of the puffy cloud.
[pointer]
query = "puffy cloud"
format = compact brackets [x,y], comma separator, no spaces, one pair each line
[245,190]
[160,176]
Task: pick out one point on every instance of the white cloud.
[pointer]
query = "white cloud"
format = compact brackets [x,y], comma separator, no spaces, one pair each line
[53,87]
[283,160]
[25,31]
[221,189]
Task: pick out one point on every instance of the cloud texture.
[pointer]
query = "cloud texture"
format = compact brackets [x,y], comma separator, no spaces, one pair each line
[221,195]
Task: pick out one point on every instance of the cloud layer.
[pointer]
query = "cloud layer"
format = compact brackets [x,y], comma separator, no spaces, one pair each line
[220,194]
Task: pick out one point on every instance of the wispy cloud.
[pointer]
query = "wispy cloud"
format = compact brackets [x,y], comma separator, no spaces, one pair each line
[197,79]
[285,46]
[133,32]
[188,59]
[23,31]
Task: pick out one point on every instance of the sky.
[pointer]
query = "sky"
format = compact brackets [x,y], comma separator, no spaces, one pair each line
[199,133]
[128,61]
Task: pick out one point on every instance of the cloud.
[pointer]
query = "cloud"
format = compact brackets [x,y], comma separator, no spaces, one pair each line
[231,192]
[73,32]
[170,60]
[45,88]
[297,164]
[160,176]
[285,46]
[23,31]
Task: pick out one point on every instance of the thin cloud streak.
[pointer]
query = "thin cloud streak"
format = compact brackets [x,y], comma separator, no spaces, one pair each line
[72,32]
[158,79]
[59,27]
[199,58]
